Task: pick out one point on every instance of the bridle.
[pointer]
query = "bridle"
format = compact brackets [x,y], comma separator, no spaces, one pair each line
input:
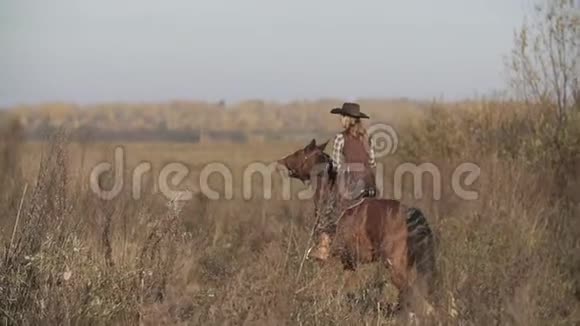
[293,173]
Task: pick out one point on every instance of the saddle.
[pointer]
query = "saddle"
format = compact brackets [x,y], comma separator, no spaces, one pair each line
[349,195]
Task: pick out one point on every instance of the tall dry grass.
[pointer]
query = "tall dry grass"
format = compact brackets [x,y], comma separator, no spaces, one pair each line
[509,257]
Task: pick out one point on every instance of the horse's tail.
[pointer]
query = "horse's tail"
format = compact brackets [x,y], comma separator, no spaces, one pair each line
[421,246]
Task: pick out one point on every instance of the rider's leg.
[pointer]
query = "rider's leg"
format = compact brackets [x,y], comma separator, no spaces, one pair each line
[321,250]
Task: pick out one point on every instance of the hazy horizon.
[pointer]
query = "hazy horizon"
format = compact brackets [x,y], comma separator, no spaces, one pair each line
[146,51]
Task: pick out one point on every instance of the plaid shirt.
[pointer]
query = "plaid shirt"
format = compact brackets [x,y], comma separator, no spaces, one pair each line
[338,157]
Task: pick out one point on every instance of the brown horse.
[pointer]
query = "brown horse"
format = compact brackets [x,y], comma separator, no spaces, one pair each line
[369,229]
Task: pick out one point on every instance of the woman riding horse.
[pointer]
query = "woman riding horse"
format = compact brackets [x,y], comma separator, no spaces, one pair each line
[365,230]
[354,161]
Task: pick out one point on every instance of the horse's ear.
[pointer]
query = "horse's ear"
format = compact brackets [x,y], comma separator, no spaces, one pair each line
[322,146]
[312,145]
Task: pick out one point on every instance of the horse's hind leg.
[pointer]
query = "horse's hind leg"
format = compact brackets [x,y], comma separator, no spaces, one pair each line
[398,263]
[410,300]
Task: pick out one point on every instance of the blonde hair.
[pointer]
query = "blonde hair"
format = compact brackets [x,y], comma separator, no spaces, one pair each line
[355,128]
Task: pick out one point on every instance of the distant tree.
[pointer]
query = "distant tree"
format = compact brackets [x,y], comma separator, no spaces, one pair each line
[544,67]
[544,64]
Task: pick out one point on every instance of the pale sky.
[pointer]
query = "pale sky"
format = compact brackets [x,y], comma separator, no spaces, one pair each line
[143,50]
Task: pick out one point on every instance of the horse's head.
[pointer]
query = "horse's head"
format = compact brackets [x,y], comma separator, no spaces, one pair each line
[302,163]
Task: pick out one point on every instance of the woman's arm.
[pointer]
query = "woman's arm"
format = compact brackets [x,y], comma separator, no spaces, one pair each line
[337,147]
[372,161]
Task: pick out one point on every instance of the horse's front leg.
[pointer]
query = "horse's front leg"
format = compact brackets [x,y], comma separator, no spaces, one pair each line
[348,260]
[349,269]
[347,280]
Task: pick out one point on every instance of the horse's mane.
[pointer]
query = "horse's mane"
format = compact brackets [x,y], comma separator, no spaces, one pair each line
[330,171]
[327,202]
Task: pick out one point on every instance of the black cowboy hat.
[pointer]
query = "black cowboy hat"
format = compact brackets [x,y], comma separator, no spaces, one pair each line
[351,110]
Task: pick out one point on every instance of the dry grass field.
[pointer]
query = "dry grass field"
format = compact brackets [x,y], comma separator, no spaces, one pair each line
[510,257]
